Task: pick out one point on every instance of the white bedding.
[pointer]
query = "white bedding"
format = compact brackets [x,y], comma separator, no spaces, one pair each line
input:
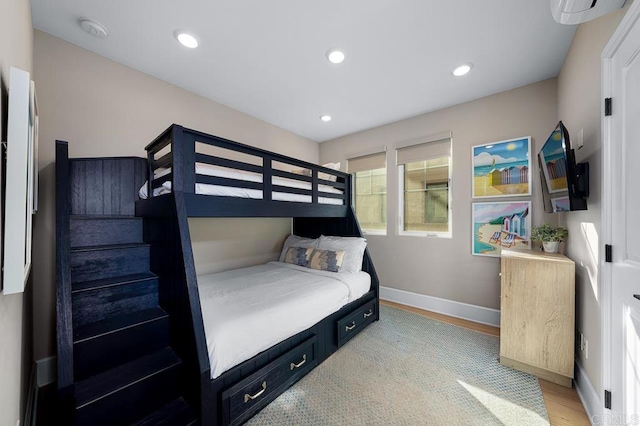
[248,310]
[229,191]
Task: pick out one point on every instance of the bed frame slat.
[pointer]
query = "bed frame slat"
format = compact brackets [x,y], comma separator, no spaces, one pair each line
[225,162]
[222,181]
[157,183]
[163,161]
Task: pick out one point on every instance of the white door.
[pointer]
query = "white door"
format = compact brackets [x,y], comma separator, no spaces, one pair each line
[622,220]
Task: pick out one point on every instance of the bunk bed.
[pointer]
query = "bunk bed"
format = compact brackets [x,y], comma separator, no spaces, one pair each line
[193,174]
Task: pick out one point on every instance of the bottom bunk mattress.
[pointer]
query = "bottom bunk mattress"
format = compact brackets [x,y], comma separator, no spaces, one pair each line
[246,311]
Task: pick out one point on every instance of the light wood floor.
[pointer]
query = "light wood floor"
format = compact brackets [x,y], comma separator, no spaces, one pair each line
[563,404]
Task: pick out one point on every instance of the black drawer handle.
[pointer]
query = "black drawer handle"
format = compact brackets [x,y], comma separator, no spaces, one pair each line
[300,364]
[248,397]
[350,327]
[368,314]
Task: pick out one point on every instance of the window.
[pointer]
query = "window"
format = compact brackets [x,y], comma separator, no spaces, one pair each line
[371,199]
[370,191]
[425,188]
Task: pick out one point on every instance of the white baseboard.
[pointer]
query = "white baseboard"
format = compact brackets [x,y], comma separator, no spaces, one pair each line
[587,393]
[451,308]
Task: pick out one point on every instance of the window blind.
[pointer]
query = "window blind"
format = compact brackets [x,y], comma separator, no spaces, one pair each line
[367,162]
[423,151]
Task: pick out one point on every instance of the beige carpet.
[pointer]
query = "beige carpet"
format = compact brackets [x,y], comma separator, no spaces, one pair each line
[407,369]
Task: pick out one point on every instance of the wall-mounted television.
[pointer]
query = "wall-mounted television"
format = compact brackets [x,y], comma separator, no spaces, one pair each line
[565,183]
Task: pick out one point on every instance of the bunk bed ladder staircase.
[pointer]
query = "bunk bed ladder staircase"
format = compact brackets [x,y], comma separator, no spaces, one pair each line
[124,370]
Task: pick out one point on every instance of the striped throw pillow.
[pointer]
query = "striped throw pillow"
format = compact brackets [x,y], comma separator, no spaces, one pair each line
[326,260]
[298,256]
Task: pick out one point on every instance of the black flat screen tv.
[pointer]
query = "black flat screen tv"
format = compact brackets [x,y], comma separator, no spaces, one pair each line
[565,183]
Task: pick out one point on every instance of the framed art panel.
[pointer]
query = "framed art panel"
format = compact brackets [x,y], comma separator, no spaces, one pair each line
[20,176]
[34,125]
[560,204]
[498,225]
[502,169]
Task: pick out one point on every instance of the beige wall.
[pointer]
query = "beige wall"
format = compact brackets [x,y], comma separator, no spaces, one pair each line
[16,49]
[580,107]
[107,109]
[224,246]
[438,267]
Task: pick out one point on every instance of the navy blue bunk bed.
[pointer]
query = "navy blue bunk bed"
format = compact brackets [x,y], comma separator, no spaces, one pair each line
[240,392]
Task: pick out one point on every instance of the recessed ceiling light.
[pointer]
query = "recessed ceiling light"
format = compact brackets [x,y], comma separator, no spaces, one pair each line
[325,118]
[462,69]
[335,56]
[186,39]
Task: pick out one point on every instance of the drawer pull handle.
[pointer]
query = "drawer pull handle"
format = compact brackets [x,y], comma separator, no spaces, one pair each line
[248,397]
[298,365]
[350,327]
[368,314]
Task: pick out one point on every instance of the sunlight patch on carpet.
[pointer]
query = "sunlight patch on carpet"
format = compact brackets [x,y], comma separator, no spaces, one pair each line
[505,411]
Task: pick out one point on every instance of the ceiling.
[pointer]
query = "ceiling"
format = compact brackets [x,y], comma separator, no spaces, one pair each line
[267,58]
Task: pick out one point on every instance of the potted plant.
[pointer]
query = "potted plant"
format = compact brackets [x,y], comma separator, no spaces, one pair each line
[551,236]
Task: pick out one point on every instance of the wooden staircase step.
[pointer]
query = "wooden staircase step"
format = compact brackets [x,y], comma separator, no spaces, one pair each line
[108,247]
[116,324]
[175,413]
[105,344]
[105,230]
[107,301]
[129,391]
[101,216]
[98,262]
[112,281]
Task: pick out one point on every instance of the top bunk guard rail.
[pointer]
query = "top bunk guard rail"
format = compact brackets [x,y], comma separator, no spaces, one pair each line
[178,166]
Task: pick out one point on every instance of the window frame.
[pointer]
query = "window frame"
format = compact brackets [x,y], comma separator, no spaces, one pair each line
[401,206]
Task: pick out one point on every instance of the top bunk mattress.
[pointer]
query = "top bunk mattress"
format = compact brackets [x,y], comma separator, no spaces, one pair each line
[230,191]
[246,311]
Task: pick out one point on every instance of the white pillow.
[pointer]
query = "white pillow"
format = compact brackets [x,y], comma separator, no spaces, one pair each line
[333,166]
[295,241]
[303,172]
[352,246]
[327,176]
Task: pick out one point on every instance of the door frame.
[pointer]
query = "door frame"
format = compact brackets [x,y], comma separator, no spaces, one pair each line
[628,22]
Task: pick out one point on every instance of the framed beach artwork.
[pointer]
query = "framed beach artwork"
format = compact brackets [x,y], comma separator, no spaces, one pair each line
[502,169]
[560,204]
[499,225]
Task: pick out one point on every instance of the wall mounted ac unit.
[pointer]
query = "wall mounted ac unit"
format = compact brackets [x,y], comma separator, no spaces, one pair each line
[571,12]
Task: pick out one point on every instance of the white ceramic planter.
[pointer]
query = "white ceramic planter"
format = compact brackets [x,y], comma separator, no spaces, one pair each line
[550,246]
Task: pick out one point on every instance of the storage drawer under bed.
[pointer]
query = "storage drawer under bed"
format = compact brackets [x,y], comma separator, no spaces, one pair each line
[351,324]
[245,398]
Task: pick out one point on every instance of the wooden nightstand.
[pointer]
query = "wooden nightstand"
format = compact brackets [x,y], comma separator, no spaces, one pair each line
[538,314]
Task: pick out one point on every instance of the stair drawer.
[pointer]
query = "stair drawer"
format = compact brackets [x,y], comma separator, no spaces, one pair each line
[245,398]
[351,324]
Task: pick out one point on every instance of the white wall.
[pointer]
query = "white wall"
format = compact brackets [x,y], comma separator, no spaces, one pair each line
[580,107]
[16,49]
[445,268]
[103,108]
